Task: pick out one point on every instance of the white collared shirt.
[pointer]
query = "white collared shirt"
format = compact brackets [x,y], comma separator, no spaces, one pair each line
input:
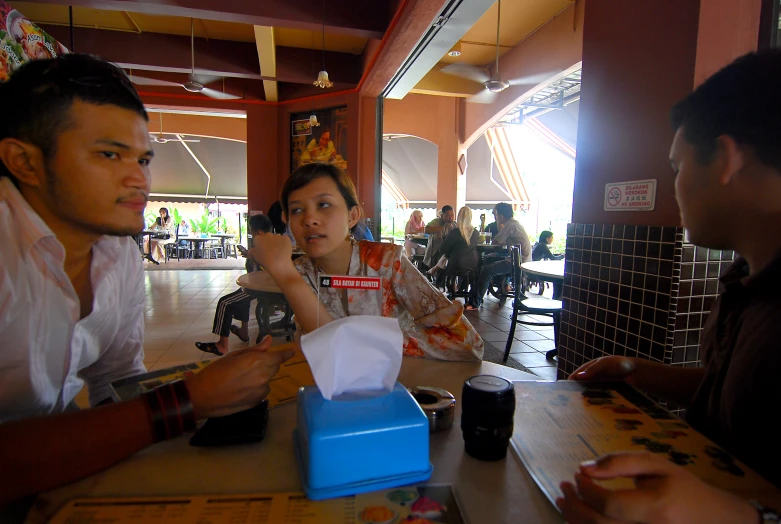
[46,353]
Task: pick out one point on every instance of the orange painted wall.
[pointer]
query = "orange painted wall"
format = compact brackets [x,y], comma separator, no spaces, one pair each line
[555,47]
[263,152]
[639,59]
[433,118]
[728,29]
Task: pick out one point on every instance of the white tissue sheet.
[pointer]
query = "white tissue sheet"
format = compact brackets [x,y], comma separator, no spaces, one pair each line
[358,353]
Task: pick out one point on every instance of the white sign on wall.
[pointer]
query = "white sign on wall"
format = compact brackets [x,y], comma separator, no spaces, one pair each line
[639,195]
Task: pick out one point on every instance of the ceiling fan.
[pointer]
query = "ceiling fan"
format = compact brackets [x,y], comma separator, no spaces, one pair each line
[195,83]
[492,81]
[159,138]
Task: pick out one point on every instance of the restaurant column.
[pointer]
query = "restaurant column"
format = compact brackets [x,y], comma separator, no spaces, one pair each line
[633,286]
[263,145]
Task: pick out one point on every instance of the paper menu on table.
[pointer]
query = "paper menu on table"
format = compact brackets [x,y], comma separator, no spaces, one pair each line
[558,425]
[292,375]
[434,503]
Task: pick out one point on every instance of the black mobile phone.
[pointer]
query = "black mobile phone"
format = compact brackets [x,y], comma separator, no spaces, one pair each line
[240,428]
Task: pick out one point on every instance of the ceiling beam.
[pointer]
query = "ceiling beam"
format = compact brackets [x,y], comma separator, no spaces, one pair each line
[171,54]
[362,18]
[267,56]
[442,84]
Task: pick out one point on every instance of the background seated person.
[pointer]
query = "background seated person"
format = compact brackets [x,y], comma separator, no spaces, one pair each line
[165,223]
[459,250]
[74,183]
[541,251]
[437,230]
[237,304]
[361,232]
[415,226]
[726,156]
[321,206]
[511,233]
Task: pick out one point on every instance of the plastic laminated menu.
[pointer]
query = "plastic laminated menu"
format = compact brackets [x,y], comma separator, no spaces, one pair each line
[426,504]
[558,425]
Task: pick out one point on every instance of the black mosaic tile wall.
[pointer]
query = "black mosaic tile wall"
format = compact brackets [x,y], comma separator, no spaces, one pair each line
[617,292]
[699,285]
[635,291]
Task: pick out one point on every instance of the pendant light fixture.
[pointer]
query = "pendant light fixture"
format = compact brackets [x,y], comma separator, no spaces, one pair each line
[322,76]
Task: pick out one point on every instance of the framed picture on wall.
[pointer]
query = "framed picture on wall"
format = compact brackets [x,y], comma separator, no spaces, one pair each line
[326,140]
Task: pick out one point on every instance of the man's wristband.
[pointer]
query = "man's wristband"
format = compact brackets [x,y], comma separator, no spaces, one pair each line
[170,410]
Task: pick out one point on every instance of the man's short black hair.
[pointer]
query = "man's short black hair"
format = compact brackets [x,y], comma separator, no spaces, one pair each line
[40,93]
[504,209]
[260,223]
[740,101]
[445,209]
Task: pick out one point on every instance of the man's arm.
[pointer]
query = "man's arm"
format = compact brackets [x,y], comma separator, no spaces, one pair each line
[675,384]
[435,226]
[39,454]
[43,453]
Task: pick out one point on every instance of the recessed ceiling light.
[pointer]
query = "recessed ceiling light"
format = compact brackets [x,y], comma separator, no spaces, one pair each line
[454,52]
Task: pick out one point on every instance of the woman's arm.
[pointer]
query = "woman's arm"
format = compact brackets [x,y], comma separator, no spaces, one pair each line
[274,253]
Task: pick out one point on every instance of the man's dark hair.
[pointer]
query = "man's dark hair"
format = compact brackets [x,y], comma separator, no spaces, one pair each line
[260,223]
[40,93]
[504,209]
[740,101]
[445,209]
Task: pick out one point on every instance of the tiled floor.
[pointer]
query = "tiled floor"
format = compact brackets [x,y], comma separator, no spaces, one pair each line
[180,311]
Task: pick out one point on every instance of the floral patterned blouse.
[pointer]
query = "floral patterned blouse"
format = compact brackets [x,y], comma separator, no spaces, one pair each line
[433,326]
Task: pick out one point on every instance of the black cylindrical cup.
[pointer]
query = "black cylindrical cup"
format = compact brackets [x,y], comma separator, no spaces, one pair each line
[487,410]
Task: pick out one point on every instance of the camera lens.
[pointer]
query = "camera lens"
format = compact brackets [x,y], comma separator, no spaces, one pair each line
[487,410]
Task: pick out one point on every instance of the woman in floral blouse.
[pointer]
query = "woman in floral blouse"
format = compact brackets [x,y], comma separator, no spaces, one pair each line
[321,207]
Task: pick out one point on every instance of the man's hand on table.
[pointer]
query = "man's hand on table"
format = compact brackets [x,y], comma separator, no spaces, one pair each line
[663,493]
[606,369]
[237,381]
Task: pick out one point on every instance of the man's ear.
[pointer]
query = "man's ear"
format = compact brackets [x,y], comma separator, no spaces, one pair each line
[23,160]
[729,159]
[354,215]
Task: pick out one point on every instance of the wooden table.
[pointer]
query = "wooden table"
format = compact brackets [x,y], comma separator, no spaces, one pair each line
[223,237]
[261,286]
[495,492]
[547,271]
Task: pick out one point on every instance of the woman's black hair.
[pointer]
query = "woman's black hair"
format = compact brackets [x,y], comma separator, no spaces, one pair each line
[544,236]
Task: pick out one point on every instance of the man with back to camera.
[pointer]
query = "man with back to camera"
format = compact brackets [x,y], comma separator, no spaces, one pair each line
[74,182]
[511,233]
[726,155]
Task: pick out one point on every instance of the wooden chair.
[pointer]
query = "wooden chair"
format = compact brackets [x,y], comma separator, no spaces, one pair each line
[531,305]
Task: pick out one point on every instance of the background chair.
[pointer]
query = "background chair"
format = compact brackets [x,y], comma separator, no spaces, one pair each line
[532,305]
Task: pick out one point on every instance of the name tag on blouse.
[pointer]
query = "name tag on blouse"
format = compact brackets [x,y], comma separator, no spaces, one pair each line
[348,282]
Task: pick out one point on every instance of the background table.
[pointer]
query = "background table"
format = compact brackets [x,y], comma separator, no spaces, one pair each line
[197,240]
[223,237]
[148,254]
[495,492]
[547,271]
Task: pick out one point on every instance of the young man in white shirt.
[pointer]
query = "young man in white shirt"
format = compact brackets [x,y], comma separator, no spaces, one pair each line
[74,182]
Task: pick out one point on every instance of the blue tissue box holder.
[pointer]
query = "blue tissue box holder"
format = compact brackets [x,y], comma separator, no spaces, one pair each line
[358,444]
